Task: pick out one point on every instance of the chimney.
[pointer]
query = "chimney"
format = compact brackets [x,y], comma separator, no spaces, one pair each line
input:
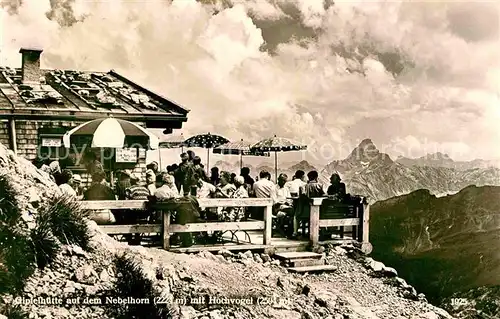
[31,65]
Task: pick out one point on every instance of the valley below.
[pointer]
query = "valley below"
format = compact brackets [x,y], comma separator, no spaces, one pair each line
[446,247]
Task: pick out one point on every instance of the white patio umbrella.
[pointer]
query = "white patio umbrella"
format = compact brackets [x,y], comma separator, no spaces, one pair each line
[110,133]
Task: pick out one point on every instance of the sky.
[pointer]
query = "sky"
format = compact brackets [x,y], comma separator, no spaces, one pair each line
[416,78]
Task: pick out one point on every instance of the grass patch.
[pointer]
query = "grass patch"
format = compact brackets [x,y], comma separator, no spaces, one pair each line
[17,259]
[13,312]
[9,205]
[66,218]
[61,219]
[45,246]
[16,253]
[132,282]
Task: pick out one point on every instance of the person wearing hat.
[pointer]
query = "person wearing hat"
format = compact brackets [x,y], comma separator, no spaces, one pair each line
[154,167]
[76,183]
[151,181]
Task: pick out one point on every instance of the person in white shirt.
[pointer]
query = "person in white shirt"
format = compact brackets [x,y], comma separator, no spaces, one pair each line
[282,208]
[264,188]
[65,186]
[297,182]
[282,192]
[151,181]
[165,187]
[205,190]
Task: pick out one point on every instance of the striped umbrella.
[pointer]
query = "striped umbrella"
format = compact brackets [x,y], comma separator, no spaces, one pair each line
[237,148]
[110,133]
[171,141]
[277,144]
[207,141]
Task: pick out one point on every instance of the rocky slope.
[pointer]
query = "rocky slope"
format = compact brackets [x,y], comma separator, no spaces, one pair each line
[447,247]
[443,160]
[98,282]
[367,171]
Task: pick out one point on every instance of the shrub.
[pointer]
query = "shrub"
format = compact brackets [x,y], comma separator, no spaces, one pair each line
[13,312]
[9,206]
[44,245]
[67,220]
[17,259]
[132,282]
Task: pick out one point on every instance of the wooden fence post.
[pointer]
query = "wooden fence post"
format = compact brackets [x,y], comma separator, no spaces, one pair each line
[166,229]
[364,229]
[268,224]
[366,224]
[314,224]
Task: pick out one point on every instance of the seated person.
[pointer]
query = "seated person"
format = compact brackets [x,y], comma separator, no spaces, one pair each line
[65,186]
[100,191]
[282,207]
[122,184]
[262,188]
[136,191]
[165,187]
[225,189]
[76,184]
[130,217]
[234,214]
[337,189]
[207,190]
[313,188]
[187,208]
[310,190]
[297,182]
[151,181]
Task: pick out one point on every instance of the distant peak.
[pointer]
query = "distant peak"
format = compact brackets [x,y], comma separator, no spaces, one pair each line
[366,142]
[438,156]
[365,151]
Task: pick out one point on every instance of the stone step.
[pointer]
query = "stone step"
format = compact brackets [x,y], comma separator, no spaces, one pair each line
[318,268]
[305,262]
[297,255]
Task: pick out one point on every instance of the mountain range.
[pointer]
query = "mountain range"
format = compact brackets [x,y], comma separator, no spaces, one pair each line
[446,246]
[367,171]
[444,160]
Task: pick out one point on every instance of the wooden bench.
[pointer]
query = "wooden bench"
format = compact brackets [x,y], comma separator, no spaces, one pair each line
[336,218]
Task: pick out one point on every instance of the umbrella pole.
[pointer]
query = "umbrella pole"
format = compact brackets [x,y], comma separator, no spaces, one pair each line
[159,158]
[208,160]
[241,160]
[276,166]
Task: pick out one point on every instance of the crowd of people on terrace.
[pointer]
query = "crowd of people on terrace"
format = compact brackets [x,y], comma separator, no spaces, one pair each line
[189,179]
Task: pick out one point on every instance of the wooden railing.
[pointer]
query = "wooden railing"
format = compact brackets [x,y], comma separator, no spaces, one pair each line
[166,228]
[315,223]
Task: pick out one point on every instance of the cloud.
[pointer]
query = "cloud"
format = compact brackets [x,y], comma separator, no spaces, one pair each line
[326,75]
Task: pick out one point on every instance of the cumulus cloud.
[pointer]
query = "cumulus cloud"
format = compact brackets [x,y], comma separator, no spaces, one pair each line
[327,75]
